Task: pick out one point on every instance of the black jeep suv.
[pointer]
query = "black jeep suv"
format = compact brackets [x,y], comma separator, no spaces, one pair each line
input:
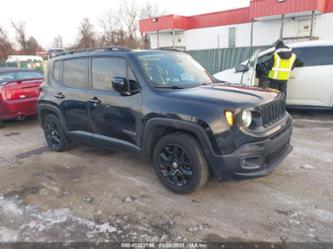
[164,106]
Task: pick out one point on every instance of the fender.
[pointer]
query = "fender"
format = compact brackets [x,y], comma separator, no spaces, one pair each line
[50,107]
[195,129]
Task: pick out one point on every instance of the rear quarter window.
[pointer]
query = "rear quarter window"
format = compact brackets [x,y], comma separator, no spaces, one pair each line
[313,56]
[75,73]
[57,70]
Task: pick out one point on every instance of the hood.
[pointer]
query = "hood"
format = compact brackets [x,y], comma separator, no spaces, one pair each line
[230,95]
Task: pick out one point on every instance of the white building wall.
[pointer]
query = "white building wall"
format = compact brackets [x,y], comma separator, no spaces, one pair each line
[165,39]
[216,37]
[324,26]
[265,33]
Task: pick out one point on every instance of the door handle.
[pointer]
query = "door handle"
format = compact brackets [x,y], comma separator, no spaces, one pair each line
[59,95]
[95,101]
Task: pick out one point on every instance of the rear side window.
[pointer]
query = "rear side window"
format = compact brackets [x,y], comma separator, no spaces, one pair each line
[75,73]
[313,56]
[104,68]
[57,70]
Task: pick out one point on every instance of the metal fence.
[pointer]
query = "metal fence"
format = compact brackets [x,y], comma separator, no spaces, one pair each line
[216,60]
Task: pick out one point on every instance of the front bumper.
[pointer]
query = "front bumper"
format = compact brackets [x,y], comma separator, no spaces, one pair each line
[254,159]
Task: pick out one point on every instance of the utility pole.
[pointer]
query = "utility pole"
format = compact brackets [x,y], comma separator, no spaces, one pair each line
[312,21]
[173,38]
[251,38]
[282,26]
[158,38]
[219,52]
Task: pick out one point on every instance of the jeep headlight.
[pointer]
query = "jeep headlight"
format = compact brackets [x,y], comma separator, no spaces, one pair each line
[246,118]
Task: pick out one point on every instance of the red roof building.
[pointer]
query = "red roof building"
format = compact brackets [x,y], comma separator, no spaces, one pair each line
[291,19]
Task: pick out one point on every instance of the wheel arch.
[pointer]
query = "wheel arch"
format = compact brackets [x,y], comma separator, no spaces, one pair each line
[156,128]
[43,109]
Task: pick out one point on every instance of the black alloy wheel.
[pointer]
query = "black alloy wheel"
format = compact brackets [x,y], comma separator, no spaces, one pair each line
[175,166]
[54,134]
[179,163]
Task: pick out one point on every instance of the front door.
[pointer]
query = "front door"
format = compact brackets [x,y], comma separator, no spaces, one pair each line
[310,82]
[115,117]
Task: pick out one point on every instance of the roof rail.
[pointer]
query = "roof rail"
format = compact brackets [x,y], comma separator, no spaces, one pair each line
[102,49]
[170,49]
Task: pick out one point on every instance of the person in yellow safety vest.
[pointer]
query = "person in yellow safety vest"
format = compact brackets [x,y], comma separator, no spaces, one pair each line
[279,66]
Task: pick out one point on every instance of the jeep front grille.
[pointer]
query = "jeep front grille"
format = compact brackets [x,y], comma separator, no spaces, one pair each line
[272,111]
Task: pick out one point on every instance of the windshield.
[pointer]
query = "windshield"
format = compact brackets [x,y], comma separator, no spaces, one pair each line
[173,69]
[254,58]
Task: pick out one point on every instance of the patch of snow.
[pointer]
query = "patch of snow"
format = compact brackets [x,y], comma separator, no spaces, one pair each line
[10,206]
[105,228]
[129,199]
[323,215]
[35,219]
[7,235]
[307,166]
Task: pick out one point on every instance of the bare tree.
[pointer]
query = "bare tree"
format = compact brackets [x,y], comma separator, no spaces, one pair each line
[21,35]
[87,35]
[32,46]
[149,10]
[129,15]
[110,25]
[57,42]
[6,47]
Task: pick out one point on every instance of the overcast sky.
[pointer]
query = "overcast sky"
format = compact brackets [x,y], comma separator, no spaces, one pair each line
[45,19]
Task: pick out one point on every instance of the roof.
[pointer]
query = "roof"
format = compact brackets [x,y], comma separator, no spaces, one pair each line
[305,44]
[258,9]
[98,52]
[312,44]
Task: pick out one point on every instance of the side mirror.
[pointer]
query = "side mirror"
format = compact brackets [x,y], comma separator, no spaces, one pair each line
[120,84]
[241,68]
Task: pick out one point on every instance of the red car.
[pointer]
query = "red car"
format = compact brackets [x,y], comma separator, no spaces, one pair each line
[19,90]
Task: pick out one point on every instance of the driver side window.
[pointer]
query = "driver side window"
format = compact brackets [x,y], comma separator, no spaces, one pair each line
[265,58]
[104,68]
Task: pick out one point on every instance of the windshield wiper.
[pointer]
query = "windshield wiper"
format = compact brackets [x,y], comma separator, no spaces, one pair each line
[169,87]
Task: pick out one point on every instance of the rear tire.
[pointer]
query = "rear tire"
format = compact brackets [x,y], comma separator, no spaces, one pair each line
[55,135]
[1,124]
[180,164]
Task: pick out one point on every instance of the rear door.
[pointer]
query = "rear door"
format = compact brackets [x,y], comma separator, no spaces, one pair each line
[115,118]
[311,82]
[72,95]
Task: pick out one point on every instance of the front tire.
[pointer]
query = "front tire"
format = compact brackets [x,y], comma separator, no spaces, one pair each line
[180,164]
[1,124]
[55,135]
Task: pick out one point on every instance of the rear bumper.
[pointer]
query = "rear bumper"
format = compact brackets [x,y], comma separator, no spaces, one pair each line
[254,159]
[18,108]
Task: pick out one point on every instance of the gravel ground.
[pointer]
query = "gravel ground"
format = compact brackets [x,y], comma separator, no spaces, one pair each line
[90,194]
